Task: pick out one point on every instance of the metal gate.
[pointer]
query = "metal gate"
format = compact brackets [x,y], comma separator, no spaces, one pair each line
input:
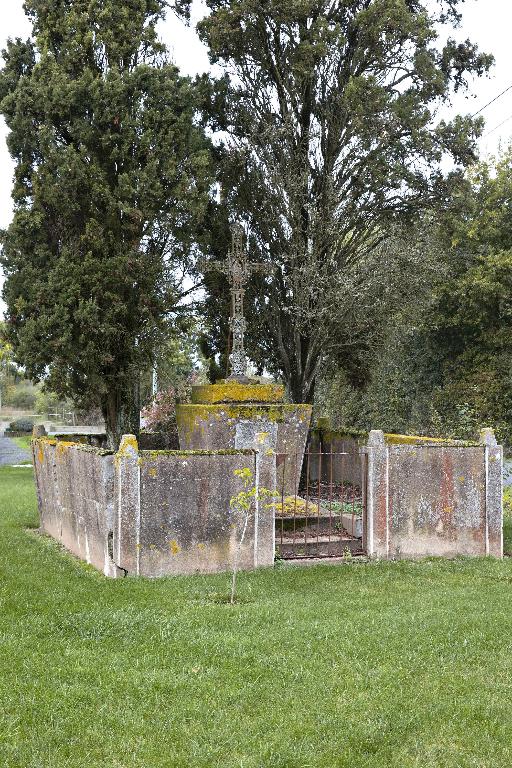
[321,507]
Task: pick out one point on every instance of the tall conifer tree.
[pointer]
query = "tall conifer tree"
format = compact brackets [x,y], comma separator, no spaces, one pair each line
[112,176]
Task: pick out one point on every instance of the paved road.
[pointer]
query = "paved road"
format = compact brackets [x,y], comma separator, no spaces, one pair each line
[10,453]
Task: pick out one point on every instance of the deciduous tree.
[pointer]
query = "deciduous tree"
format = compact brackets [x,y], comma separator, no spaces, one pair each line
[329,113]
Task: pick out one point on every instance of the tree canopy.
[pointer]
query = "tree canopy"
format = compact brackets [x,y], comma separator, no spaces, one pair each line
[112,177]
[328,113]
[444,364]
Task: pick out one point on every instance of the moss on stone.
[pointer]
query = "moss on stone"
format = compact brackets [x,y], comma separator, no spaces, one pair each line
[45,440]
[82,439]
[196,418]
[328,435]
[64,445]
[275,413]
[234,392]
[127,449]
[392,439]
[151,455]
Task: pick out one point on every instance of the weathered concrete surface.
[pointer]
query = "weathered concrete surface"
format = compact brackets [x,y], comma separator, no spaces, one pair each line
[341,460]
[433,499]
[262,438]
[229,391]
[186,522]
[75,490]
[157,513]
[214,427]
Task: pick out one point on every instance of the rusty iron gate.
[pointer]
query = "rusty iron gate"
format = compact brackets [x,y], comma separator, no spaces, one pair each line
[320,511]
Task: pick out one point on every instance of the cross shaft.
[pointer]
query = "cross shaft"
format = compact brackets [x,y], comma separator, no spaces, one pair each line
[238,269]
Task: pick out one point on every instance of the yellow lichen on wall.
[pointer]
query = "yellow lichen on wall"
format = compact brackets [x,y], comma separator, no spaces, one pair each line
[197,418]
[63,446]
[129,448]
[174,547]
[234,392]
[421,440]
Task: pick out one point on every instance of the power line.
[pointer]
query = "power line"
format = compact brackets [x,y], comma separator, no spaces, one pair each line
[497,126]
[493,100]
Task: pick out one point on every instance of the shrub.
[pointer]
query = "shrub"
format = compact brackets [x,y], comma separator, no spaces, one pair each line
[21,425]
[160,414]
[21,397]
[46,402]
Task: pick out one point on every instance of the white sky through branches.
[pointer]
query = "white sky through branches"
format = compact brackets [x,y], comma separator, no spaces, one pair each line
[485,22]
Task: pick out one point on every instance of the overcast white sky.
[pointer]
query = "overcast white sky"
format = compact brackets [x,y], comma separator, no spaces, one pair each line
[486,22]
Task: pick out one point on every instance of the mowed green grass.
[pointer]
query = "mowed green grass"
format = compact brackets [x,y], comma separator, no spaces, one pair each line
[23,442]
[373,665]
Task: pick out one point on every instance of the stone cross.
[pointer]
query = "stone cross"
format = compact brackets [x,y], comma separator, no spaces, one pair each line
[238,269]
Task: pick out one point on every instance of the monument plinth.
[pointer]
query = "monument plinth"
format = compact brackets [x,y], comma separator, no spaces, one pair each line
[222,414]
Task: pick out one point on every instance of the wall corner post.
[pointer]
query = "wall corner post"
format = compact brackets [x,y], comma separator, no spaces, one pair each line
[493,457]
[126,534]
[377,495]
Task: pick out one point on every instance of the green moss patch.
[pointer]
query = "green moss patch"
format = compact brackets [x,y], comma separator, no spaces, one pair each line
[419,440]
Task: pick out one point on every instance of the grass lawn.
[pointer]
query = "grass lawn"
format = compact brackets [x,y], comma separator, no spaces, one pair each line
[383,664]
[23,442]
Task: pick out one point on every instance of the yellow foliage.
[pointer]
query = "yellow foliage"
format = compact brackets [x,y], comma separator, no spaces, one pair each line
[294,506]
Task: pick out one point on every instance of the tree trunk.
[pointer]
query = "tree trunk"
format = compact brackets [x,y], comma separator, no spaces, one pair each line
[121,411]
[300,390]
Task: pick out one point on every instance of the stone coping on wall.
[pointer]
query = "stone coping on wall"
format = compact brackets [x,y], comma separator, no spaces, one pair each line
[327,433]
[323,427]
[82,446]
[236,392]
[224,452]
[64,445]
[392,439]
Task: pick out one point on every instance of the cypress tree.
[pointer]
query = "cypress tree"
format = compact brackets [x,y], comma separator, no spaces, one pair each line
[112,177]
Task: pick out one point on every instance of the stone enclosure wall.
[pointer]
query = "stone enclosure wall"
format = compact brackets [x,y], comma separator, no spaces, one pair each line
[422,496]
[75,491]
[155,513]
[345,448]
[433,497]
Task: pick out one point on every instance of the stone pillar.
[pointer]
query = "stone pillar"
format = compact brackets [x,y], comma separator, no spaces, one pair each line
[126,540]
[493,493]
[377,497]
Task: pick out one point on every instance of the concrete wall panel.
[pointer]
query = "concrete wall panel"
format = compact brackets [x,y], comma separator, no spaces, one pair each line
[75,486]
[186,522]
[441,498]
